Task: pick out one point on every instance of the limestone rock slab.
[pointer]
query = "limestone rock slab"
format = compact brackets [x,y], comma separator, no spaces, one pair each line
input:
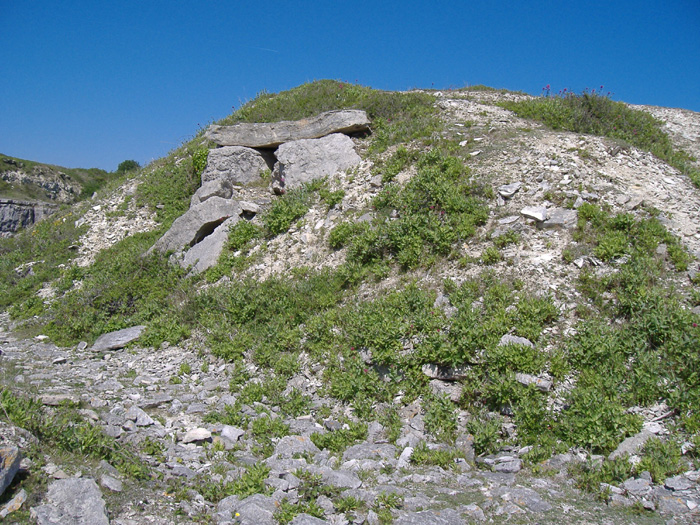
[264,135]
[205,254]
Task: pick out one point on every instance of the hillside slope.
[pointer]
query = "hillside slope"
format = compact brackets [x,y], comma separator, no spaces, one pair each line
[485,319]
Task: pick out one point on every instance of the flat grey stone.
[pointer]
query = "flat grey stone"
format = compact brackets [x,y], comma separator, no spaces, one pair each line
[212,188]
[430,517]
[231,433]
[196,435]
[508,339]
[382,451]
[117,339]
[10,458]
[509,467]
[289,446]
[307,519]
[539,213]
[303,161]
[545,385]
[72,501]
[139,417]
[253,510]
[263,135]
[340,478]
[560,218]
[525,497]
[111,483]
[678,483]
[637,486]
[206,253]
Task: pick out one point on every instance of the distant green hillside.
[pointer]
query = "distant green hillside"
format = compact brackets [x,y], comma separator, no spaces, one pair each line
[26,179]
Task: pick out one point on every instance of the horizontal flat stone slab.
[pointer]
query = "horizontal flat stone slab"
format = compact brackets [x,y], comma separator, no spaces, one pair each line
[118,339]
[271,135]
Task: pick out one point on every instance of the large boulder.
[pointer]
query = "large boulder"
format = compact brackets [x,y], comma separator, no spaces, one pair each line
[262,135]
[73,500]
[205,254]
[236,165]
[302,161]
[197,223]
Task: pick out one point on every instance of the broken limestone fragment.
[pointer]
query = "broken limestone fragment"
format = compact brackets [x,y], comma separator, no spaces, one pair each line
[508,339]
[213,188]
[539,213]
[236,165]
[508,190]
[560,218]
[118,339]
[72,500]
[263,135]
[305,160]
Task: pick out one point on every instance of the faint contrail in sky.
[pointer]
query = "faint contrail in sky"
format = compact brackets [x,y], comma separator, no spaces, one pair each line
[263,49]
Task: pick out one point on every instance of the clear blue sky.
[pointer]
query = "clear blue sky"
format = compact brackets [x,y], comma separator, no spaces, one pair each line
[92,83]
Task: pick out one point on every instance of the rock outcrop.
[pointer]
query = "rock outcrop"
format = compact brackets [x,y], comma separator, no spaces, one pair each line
[263,135]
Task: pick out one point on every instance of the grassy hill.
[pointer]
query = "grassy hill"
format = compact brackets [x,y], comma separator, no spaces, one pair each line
[421,272]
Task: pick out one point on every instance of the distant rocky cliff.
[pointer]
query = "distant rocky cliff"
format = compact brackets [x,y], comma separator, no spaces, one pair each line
[28,190]
[16,214]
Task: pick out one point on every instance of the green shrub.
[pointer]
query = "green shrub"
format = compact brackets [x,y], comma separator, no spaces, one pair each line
[128,165]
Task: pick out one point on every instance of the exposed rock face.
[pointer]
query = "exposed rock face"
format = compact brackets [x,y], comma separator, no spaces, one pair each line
[302,161]
[236,165]
[15,214]
[261,135]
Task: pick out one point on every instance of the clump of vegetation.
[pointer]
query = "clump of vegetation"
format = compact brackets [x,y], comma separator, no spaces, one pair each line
[596,114]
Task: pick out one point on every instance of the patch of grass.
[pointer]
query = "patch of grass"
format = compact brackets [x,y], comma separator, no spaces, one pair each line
[441,457]
[441,418]
[121,289]
[33,257]
[338,440]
